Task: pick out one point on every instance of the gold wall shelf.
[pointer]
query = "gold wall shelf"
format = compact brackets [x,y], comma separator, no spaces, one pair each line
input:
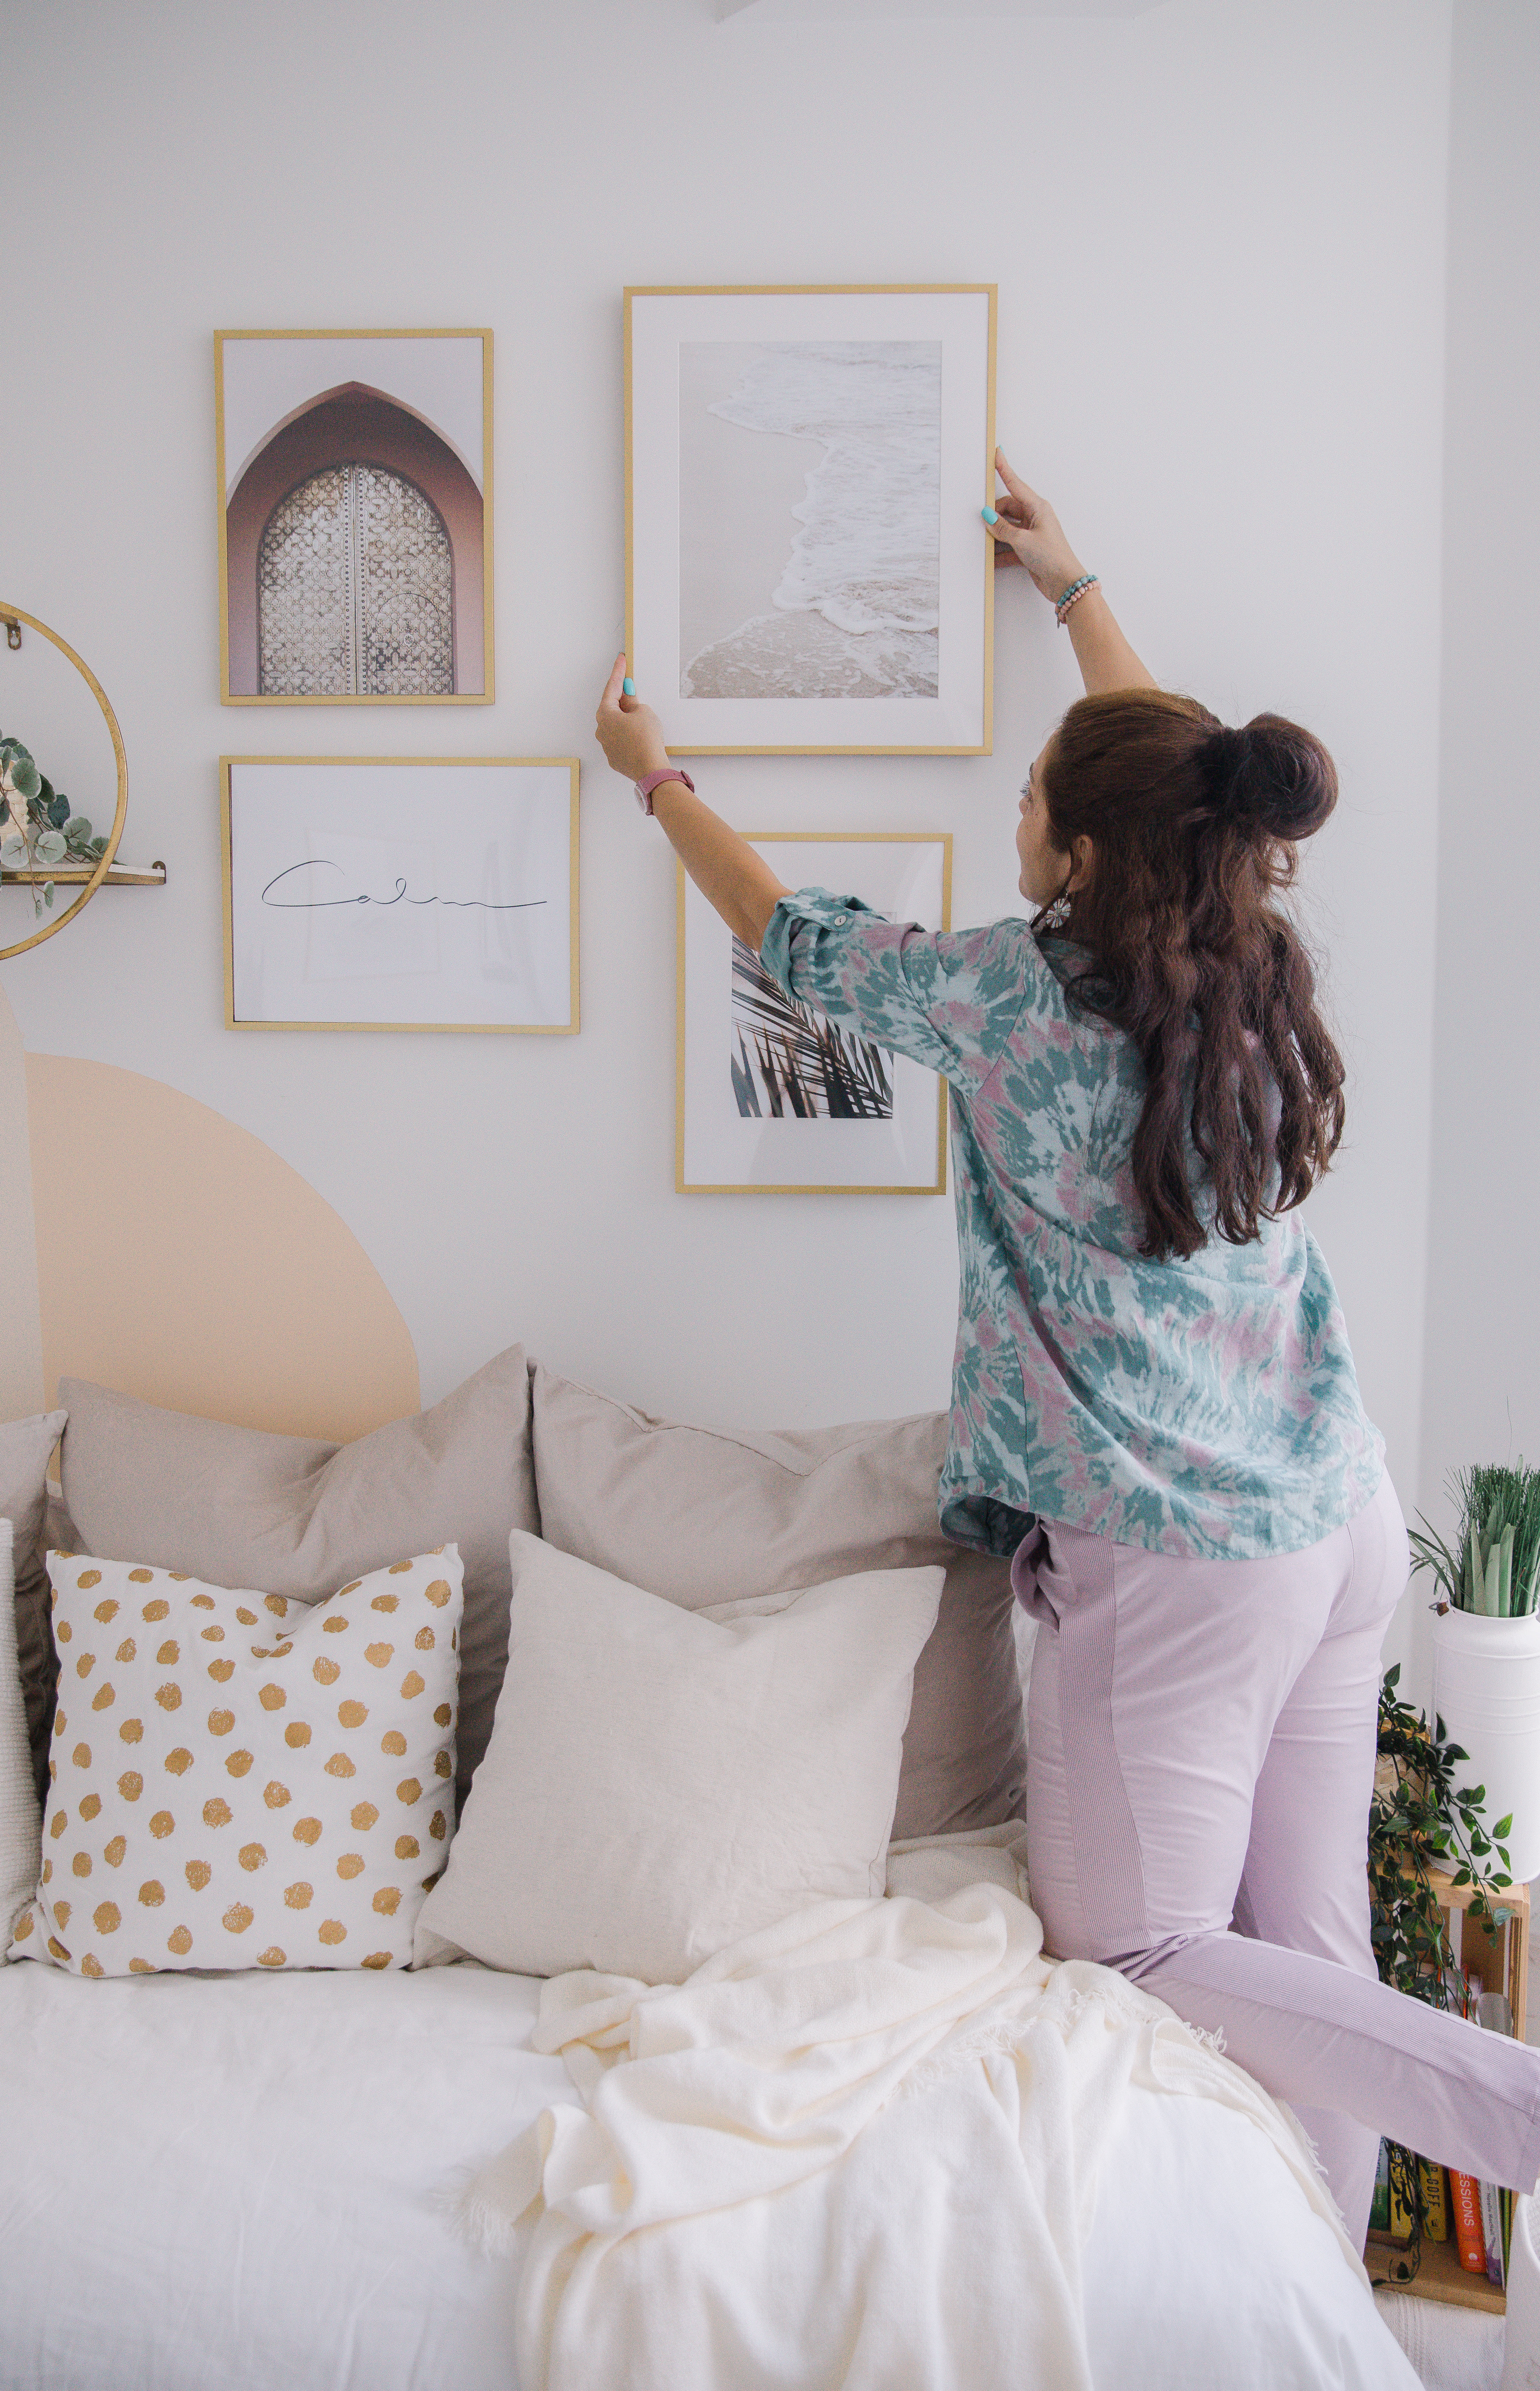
[75,875]
[106,871]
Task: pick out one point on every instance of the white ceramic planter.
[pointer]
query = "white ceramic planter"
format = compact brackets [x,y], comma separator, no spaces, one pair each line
[1486,1689]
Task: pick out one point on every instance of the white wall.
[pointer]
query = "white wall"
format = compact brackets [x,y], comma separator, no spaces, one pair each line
[1482,1385]
[1217,229]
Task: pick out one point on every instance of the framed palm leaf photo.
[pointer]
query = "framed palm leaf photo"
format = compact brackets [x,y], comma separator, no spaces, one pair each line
[774,1097]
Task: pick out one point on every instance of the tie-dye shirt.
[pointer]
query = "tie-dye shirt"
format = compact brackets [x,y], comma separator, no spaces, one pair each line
[1205,1406]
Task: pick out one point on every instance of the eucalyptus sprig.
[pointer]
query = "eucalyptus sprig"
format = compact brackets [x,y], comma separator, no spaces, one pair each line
[1418,1822]
[37,827]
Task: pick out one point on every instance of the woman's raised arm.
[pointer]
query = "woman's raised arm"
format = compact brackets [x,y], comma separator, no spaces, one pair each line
[723,866]
[1026,531]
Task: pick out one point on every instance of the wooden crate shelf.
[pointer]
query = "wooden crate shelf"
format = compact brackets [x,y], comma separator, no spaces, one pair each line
[1501,1962]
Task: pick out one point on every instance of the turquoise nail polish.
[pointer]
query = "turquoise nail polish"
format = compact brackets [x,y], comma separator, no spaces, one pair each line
[628,687]
[989,514]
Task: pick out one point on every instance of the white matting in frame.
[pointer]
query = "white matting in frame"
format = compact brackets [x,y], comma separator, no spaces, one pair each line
[772,1098]
[806,572]
[400,893]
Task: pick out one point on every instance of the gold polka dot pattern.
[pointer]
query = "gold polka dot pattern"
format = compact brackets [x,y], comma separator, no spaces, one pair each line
[323,1723]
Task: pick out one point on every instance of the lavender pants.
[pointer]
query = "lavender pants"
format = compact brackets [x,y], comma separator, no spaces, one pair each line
[1200,1763]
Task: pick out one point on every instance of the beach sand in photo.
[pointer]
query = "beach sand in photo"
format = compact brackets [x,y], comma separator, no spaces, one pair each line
[736,490]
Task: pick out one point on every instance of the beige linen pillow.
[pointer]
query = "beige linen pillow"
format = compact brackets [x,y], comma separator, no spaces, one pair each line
[700,1517]
[237,1508]
[242,1781]
[25,1445]
[659,1784]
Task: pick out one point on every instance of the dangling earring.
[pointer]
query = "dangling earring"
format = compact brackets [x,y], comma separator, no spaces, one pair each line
[1056,914]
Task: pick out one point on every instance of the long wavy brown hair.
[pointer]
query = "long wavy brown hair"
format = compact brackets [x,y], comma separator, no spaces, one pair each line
[1195,829]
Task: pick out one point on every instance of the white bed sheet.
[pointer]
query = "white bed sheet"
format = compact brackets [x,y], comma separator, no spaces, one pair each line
[244,2182]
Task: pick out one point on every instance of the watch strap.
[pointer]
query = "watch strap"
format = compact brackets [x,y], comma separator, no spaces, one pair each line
[655,781]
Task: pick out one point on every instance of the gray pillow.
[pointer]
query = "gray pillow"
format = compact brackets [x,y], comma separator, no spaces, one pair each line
[703,1518]
[25,1445]
[288,1515]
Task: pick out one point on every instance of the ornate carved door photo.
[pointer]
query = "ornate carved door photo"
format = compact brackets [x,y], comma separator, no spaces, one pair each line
[355,515]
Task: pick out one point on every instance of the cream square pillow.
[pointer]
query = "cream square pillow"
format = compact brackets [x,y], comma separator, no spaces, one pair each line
[701,1515]
[239,1780]
[660,1782]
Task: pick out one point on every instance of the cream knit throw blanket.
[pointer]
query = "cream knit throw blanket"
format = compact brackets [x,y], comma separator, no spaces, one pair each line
[859,2149]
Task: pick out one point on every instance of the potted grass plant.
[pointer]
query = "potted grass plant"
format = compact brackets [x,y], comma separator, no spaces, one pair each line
[1486,1644]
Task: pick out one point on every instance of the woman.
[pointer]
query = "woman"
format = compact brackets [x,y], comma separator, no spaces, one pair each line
[1154,1404]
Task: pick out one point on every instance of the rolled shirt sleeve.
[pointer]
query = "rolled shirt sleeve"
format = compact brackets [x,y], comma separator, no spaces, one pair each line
[946,998]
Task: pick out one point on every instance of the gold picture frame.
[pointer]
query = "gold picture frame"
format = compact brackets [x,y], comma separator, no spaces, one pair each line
[440,459]
[565,846]
[694,1061]
[966,488]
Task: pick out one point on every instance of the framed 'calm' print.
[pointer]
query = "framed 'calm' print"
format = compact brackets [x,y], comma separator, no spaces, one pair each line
[354,517]
[806,570]
[400,893]
[773,1098]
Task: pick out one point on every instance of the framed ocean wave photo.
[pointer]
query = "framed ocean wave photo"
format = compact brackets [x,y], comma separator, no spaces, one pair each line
[354,474]
[806,573]
[401,892]
[773,1097]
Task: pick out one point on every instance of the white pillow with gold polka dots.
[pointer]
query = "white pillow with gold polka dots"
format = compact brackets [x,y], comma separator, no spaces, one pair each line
[237,1780]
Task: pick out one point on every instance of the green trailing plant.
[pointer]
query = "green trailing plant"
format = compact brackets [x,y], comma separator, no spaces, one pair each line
[1420,1820]
[37,825]
[1492,1568]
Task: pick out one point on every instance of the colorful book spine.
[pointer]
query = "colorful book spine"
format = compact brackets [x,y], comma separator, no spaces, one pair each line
[1379,2206]
[1403,2223]
[1491,2009]
[1492,2235]
[1469,2241]
[1435,2205]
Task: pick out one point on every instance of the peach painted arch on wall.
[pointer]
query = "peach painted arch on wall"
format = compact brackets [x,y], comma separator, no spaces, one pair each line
[181,1260]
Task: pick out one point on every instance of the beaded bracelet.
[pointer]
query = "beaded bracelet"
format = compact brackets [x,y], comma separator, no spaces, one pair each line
[1072,597]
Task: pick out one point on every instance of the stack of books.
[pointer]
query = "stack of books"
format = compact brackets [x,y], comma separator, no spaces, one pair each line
[1482,2213]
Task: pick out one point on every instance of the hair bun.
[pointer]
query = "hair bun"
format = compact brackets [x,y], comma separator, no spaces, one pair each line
[1274,775]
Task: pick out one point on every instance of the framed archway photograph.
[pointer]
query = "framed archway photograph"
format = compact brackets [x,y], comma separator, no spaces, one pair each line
[354,476]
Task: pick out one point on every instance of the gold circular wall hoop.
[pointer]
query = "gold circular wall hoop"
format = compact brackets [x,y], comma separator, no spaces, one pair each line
[104,861]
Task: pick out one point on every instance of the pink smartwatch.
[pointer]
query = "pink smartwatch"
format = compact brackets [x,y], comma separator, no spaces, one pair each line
[655,781]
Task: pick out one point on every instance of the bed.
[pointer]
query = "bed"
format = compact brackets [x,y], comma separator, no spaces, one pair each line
[257,2178]
[251,2181]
